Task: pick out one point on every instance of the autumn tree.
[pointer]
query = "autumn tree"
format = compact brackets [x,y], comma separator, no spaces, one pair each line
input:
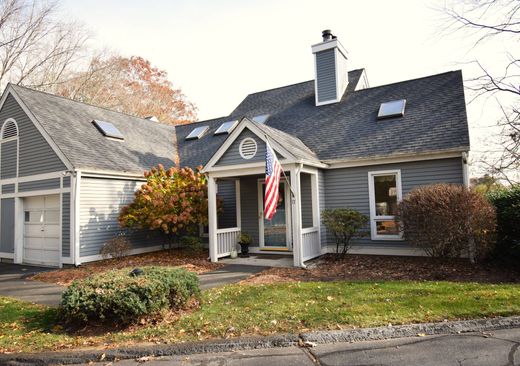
[130,85]
[173,201]
[37,49]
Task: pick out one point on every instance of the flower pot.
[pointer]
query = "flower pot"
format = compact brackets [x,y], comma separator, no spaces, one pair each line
[244,250]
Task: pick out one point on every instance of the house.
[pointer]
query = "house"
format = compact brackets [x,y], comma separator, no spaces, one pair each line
[66,168]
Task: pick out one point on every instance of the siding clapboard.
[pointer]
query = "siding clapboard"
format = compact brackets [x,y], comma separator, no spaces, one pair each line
[8,188]
[39,185]
[348,187]
[7,225]
[306,199]
[66,181]
[249,206]
[100,202]
[65,224]
[8,159]
[326,75]
[227,218]
[36,155]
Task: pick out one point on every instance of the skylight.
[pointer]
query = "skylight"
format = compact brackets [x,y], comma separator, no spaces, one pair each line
[226,127]
[197,133]
[108,129]
[261,118]
[394,108]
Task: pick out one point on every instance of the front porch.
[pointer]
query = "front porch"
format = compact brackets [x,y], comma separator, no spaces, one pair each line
[236,205]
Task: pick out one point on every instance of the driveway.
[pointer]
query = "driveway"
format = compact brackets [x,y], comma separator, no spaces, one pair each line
[13,283]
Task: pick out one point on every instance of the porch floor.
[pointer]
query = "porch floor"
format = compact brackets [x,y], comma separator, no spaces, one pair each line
[268,260]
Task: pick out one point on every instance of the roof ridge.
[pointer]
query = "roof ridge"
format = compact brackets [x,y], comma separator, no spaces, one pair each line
[204,121]
[414,79]
[84,103]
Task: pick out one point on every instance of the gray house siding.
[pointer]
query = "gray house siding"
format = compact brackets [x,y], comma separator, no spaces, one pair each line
[326,75]
[8,188]
[348,187]
[65,224]
[38,185]
[249,206]
[100,203]
[66,182]
[322,199]
[227,218]
[8,159]
[7,225]
[232,154]
[306,199]
[36,155]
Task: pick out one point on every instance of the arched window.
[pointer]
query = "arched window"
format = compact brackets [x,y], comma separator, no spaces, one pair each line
[9,129]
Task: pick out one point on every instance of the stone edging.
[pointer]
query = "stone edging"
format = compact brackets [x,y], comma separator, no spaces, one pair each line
[247,343]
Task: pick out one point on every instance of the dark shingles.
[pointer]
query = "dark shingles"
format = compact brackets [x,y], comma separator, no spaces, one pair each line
[69,124]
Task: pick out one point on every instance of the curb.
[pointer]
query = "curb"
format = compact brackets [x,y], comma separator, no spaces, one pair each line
[248,343]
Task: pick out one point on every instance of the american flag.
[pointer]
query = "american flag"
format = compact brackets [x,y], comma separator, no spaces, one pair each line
[272,181]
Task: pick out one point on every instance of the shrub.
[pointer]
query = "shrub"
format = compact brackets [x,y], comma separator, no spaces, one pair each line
[173,201]
[448,220]
[344,224]
[507,205]
[123,297]
[117,247]
[192,243]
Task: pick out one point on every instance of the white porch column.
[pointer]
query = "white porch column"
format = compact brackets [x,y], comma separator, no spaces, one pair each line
[212,217]
[296,205]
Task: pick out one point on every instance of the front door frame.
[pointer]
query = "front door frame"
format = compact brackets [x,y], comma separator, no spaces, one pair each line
[288,222]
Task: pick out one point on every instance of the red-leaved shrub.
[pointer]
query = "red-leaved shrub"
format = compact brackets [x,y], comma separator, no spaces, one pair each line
[448,220]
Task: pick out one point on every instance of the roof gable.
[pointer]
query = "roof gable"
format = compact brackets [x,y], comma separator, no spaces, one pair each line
[69,125]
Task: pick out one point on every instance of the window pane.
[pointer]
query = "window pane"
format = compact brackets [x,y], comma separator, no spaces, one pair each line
[385,187]
[389,227]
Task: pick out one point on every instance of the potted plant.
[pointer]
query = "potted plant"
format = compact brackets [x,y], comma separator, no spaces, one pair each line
[244,240]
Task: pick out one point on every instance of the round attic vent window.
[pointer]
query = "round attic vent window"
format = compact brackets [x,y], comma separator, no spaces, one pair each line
[248,148]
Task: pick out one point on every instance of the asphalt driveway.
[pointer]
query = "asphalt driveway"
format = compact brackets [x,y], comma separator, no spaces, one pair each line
[14,283]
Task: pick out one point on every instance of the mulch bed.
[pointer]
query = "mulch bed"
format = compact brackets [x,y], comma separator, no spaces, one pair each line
[383,268]
[192,261]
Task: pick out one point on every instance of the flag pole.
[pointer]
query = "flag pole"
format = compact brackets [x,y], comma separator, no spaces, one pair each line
[283,171]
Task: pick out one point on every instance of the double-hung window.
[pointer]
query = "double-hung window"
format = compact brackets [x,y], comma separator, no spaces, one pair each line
[384,189]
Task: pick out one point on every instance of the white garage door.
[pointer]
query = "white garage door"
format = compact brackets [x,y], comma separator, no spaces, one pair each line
[42,230]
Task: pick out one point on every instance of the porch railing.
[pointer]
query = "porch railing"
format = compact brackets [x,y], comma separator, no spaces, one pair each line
[227,239]
[311,243]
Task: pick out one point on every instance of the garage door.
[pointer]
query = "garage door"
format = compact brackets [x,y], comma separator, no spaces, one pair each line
[42,230]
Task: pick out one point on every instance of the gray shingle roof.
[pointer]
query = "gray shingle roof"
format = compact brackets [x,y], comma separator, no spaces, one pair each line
[69,124]
[434,120]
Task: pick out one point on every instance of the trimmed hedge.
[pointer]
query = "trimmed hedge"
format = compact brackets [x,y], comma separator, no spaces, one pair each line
[507,205]
[120,296]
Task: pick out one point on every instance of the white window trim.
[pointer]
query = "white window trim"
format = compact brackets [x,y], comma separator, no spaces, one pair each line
[372,201]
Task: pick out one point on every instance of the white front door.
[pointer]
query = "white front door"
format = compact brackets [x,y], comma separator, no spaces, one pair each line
[42,230]
[275,234]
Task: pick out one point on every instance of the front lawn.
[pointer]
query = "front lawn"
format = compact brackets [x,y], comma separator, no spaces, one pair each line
[275,308]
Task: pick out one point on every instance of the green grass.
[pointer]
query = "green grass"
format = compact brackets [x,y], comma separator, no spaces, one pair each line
[286,307]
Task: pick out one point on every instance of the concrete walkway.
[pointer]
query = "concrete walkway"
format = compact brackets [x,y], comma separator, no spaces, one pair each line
[13,282]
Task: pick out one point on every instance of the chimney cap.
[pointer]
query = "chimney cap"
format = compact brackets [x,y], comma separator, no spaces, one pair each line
[327,35]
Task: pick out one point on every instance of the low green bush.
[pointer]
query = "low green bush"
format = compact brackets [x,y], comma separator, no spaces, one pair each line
[507,205]
[123,297]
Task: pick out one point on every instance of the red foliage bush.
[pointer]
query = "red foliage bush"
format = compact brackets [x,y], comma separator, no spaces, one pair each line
[448,220]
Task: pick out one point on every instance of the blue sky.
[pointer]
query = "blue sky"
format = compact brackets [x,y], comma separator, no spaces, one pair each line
[219,51]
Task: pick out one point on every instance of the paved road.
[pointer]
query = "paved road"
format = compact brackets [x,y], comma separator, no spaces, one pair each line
[496,348]
[14,284]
